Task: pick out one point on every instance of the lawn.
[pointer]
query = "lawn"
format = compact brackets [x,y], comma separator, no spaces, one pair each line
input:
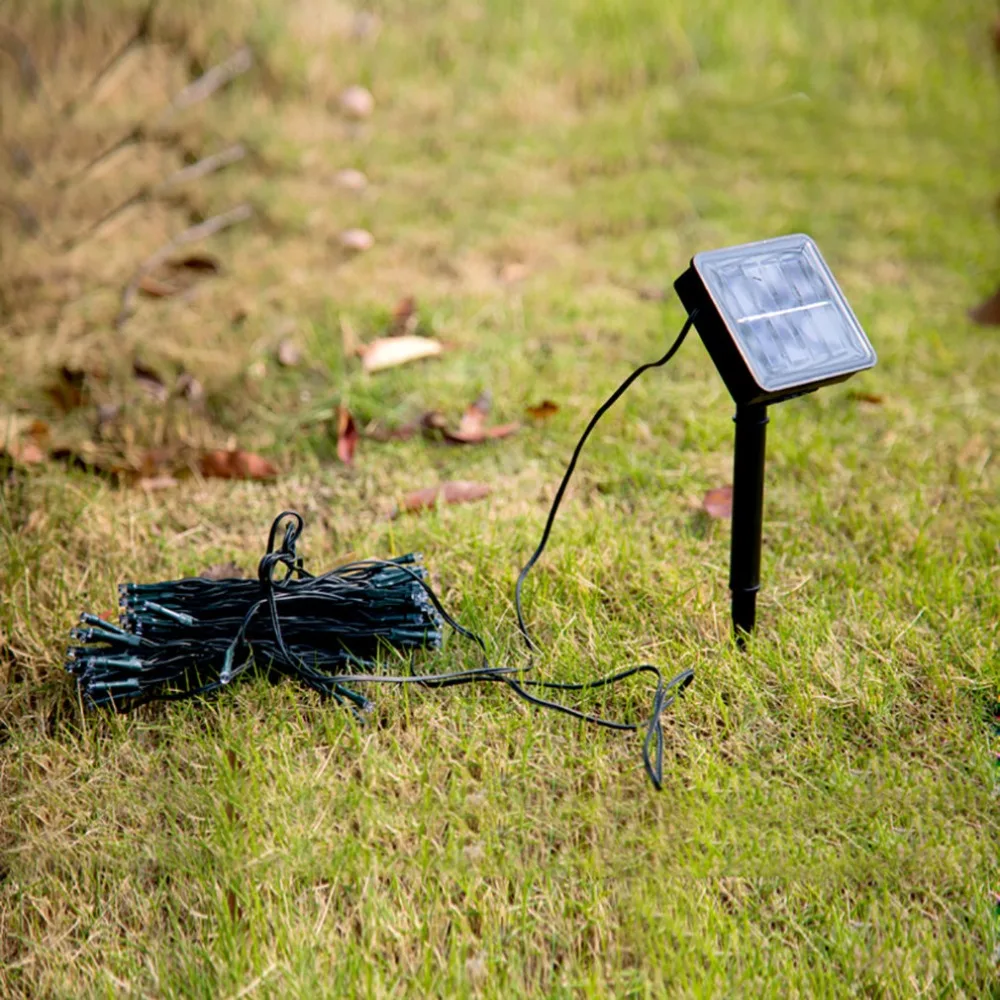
[538,174]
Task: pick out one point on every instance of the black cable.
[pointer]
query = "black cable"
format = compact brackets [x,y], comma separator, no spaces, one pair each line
[181,638]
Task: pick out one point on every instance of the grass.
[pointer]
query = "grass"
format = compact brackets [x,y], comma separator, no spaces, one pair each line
[828,825]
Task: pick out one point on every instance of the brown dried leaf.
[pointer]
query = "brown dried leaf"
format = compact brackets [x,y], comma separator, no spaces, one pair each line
[404,316]
[544,410]
[868,397]
[153,288]
[200,263]
[650,293]
[223,571]
[472,428]
[69,390]
[718,503]
[238,464]
[178,275]
[347,436]
[388,352]
[156,463]
[987,313]
[38,431]
[455,491]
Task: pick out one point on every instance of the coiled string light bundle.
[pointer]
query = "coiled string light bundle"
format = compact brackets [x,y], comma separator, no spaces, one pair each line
[185,638]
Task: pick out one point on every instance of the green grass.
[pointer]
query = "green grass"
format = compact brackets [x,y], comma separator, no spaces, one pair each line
[828,825]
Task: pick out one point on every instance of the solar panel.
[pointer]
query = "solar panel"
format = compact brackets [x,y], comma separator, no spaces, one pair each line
[786,320]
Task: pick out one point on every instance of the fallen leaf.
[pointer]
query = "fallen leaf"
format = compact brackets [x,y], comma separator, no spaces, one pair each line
[357,102]
[154,288]
[718,503]
[232,905]
[650,293]
[347,436]
[178,275]
[24,452]
[543,410]
[472,428]
[356,240]
[150,382]
[473,422]
[387,352]
[987,313]
[456,491]
[201,263]
[156,463]
[150,484]
[288,353]
[868,397]
[513,272]
[221,464]
[38,431]
[223,571]
[404,316]
[351,180]
[69,390]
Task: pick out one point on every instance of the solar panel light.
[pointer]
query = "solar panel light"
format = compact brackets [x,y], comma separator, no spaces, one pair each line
[776,324]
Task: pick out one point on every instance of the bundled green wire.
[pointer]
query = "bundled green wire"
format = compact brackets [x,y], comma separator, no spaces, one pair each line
[187,637]
[191,637]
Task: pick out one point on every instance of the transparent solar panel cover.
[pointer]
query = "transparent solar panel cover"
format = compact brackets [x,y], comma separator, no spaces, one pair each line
[785,312]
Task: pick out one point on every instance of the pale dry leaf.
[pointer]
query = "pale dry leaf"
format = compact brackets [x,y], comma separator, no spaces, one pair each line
[513,272]
[356,240]
[25,452]
[357,102]
[288,353]
[718,502]
[388,352]
[351,180]
[153,288]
